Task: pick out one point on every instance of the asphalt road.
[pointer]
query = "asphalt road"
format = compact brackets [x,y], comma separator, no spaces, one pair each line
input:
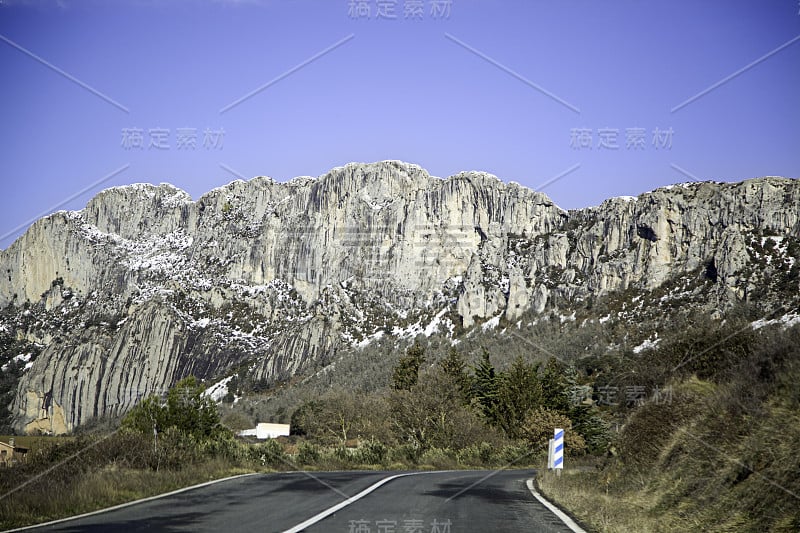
[438,502]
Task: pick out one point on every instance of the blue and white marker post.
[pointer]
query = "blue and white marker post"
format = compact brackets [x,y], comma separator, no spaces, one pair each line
[558,449]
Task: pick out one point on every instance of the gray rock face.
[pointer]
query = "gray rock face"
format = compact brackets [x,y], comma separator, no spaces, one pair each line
[145,286]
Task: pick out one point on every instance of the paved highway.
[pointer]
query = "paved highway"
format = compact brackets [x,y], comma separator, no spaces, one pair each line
[358,502]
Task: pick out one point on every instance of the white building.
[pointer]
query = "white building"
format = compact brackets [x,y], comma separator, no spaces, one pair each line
[265,430]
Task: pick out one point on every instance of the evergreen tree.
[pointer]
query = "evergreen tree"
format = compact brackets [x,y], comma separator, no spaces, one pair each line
[520,392]
[186,409]
[485,387]
[455,368]
[592,427]
[406,373]
[556,381]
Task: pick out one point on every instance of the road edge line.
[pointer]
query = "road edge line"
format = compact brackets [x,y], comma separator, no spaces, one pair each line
[569,522]
[128,504]
[341,505]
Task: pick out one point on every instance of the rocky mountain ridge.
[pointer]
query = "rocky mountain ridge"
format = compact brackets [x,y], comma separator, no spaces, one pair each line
[145,286]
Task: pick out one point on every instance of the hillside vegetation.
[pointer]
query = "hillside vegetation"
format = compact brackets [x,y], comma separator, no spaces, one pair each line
[720,455]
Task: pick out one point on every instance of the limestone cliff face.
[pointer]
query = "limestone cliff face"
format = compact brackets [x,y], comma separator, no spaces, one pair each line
[145,286]
[645,241]
[102,373]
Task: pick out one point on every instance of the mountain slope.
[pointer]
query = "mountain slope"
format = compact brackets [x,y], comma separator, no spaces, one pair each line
[145,286]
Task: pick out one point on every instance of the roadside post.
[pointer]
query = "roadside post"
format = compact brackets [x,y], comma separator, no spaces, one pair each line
[558,450]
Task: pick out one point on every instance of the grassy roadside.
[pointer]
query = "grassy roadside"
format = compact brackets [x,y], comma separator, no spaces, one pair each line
[710,465]
[586,496]
[103,488]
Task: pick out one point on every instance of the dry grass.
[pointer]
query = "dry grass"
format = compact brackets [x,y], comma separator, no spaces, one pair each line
[35,443]
[717,468]
[586,496]
[102,488]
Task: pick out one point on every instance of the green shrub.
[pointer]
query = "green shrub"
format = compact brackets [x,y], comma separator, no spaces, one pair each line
[226,447]
[344,455]
[485,452]
[269,453]
[439,458]
[373,452]
[308,454]
[594,429]
[405,453]
[186,409]
[481,454]
[518,455]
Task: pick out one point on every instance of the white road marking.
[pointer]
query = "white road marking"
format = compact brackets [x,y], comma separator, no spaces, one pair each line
[318,517]
[327,512]
[569,522]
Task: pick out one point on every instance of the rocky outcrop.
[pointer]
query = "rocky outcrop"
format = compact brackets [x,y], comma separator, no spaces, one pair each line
[645,241]
[145,286]
[101,371]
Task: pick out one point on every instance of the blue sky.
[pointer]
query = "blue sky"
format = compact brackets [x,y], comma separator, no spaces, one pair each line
[582,99]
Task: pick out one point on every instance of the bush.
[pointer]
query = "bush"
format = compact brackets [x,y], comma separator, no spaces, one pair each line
[186,410]
[373,452]
[538,430]
[308,454]
[226,447]
[477,454]
[439,458]
[270,453]
[432,414]
[344,455]
[518,455]
[405,453]
[594,429]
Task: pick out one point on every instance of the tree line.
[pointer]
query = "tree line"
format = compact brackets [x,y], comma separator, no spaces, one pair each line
[451,405]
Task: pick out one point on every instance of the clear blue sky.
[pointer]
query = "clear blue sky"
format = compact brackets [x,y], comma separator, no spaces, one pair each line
[526,90]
